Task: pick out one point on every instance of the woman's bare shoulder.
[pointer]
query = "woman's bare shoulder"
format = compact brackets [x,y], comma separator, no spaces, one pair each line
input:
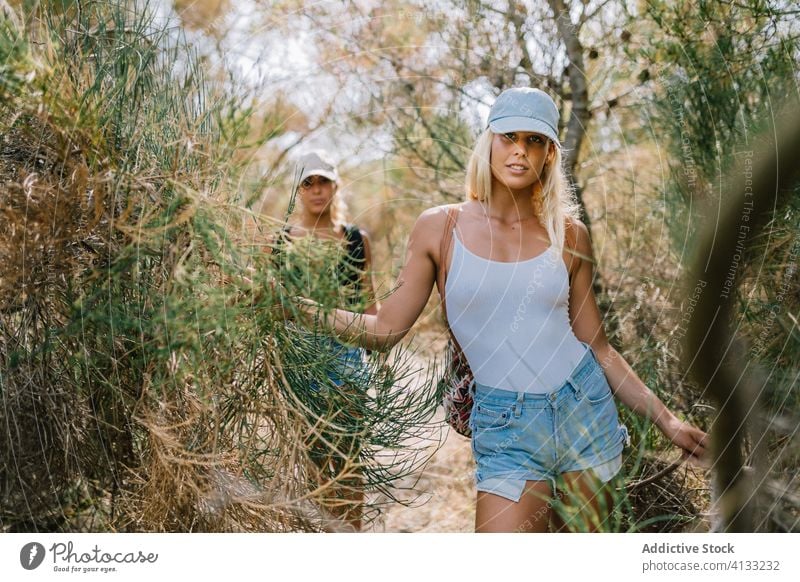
[576,234]
[435,217]
[578,245]
[429,228]
[293,230]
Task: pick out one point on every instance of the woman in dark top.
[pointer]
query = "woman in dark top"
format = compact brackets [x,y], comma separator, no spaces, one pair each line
[321,222]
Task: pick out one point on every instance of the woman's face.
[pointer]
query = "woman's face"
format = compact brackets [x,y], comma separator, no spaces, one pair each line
[317,193]
[518,158]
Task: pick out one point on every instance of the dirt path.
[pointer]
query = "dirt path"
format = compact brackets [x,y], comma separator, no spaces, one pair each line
[445,490]
[441,496]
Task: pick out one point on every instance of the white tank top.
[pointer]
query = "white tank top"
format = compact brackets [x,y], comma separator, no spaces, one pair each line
[512,319]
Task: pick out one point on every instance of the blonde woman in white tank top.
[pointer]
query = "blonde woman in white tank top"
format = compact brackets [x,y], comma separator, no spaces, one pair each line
[520,302]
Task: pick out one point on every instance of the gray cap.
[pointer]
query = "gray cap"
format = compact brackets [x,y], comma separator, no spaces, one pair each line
[317,163]
[525,109]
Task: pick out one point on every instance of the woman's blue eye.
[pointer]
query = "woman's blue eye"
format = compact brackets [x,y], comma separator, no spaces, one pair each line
[535,139]
[511,136]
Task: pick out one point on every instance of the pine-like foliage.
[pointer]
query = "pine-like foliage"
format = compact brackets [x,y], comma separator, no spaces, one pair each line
[723,71]
[149,380]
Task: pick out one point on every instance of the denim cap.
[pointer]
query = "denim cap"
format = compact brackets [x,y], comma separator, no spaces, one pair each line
[317,163]
[525,109]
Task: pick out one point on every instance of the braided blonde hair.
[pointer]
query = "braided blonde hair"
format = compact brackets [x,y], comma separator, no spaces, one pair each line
[338,208]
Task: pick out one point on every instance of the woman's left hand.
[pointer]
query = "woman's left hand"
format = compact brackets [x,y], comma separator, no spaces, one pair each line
[693,441]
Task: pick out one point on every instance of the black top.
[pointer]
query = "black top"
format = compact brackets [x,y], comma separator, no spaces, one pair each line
[352,264]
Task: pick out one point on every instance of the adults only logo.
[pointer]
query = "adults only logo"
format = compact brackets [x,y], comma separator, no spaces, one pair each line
[67,559]
[31,555]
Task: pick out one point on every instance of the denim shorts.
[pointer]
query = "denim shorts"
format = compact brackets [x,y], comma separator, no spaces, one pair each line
[519,436]
[344,365]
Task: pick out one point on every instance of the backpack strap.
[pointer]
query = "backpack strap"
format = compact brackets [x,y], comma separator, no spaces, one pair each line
[447,238]
[441,275]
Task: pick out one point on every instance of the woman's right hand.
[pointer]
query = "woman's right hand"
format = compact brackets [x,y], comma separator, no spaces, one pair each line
[307,309]
[280,309]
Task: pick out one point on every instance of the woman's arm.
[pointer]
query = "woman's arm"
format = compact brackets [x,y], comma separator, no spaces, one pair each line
[626,385]
[401,309]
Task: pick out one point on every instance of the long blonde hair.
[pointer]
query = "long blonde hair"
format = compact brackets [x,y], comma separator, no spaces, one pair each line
[553,203]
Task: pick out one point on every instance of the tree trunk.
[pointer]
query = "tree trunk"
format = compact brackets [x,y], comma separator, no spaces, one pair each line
[580,114]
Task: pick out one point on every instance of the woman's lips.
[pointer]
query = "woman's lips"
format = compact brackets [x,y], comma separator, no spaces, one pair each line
[517,169]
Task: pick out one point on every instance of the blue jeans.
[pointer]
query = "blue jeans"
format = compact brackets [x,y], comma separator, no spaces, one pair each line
[341,436]
[346,366]
[519,436]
